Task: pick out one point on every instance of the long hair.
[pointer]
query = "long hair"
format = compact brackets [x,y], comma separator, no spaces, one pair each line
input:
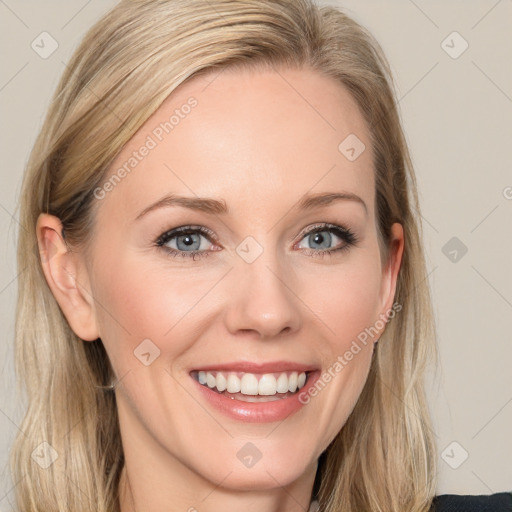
[384,457]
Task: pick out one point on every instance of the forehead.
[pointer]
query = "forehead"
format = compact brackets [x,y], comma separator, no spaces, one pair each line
[253,137]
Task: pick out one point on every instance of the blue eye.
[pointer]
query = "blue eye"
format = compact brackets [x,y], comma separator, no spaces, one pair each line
[187,241]
[322,235]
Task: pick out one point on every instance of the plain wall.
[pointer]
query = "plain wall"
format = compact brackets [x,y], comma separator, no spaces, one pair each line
[457,115]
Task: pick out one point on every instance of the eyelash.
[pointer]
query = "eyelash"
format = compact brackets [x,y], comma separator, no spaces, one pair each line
[345,234]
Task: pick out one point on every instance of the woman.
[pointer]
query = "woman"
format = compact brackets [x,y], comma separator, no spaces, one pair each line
[184,343]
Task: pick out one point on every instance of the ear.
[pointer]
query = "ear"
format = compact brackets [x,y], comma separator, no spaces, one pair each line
[390,271]
[67,278]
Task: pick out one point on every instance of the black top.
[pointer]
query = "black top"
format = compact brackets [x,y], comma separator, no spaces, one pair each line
[499,502]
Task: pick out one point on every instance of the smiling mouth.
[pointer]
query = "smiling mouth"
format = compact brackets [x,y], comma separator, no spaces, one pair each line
[253,387]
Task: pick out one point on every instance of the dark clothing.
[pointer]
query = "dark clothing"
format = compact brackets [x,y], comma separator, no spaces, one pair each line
[499,502]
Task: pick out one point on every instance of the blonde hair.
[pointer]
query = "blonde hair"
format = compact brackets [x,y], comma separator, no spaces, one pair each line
[384,457]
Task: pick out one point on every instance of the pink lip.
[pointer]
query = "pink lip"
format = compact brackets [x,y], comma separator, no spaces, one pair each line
[249,367]
[256,412]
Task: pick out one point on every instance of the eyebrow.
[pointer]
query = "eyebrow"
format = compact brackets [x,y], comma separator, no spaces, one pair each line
[216,207]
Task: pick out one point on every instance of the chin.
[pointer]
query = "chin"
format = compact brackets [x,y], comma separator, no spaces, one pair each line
[266,470]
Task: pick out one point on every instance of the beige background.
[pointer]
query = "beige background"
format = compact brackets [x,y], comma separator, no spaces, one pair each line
[457,114]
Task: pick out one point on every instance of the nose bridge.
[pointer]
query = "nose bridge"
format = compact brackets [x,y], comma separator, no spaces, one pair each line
[261,292]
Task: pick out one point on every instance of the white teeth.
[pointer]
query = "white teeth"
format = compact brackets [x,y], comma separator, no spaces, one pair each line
[221,382]
[267,385]
[211,381]
[251,384]
[292,382]
[282,383]
[233,384]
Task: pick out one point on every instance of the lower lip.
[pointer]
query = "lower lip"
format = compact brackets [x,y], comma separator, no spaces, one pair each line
[256,412]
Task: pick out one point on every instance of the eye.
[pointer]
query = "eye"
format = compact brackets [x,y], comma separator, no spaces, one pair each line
[186,241]
[321,237]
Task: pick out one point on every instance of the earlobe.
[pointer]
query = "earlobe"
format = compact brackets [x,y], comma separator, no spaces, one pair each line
[62,269]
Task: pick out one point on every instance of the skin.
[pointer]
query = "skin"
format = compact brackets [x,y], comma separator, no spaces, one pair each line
[260,145]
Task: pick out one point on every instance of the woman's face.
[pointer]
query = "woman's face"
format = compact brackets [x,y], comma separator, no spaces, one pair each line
[280,280]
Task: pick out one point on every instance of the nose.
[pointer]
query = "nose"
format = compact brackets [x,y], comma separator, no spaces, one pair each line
[262,299]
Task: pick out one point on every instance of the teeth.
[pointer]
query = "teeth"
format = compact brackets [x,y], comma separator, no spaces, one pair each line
[292,382]
[249,384]
[211,381]
[221,382]
[267,385]
[233,384]
[252,384]
[282,383]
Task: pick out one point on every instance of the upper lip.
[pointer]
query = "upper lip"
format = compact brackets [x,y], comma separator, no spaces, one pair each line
[251,367]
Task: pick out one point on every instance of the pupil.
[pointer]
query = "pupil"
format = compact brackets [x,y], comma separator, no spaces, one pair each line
[186,241]
[320,239]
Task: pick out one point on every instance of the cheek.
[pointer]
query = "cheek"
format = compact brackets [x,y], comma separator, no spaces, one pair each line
[347,303]
[140,303]
[346,299]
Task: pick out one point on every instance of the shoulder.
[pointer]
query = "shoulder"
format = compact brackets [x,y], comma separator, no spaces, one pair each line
[498,502]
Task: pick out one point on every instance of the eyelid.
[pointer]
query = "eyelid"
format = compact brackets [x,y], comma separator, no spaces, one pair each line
[314,227]
[327,226]
[185,229]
